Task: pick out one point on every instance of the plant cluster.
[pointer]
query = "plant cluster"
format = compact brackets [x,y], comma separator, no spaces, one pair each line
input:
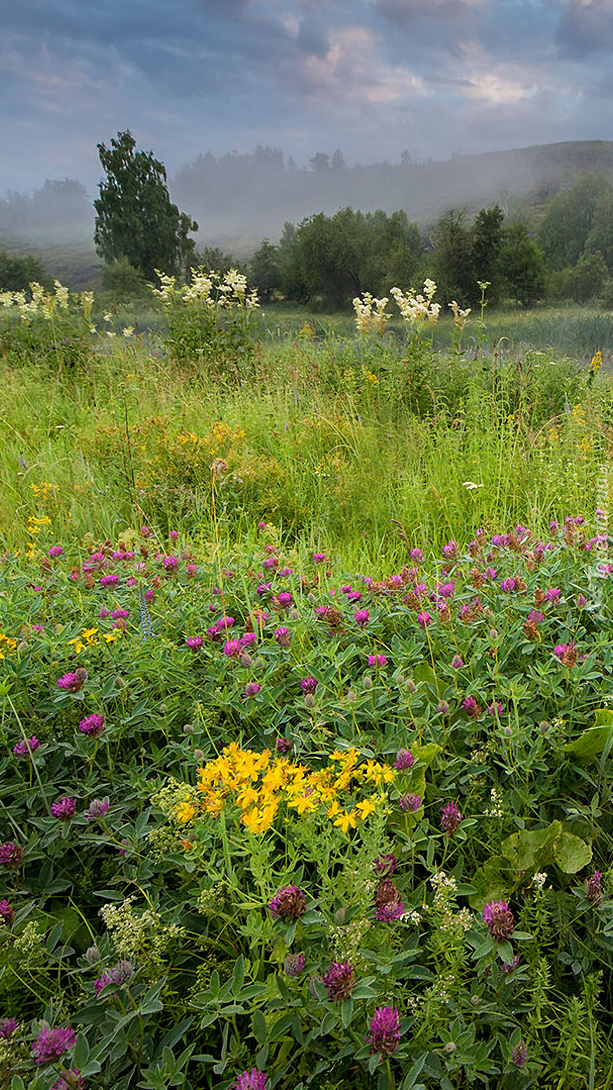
[267,823]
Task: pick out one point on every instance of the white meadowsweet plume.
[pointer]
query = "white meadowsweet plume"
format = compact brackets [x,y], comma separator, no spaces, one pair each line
[460,317]
[61,294]
[212,289]
[418,310]
[370,314]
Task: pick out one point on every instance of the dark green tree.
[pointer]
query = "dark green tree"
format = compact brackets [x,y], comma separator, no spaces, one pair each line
[452,262]
[135,217]
[488,242]
[17,273]
[265,271]
[523,265]
[564,230]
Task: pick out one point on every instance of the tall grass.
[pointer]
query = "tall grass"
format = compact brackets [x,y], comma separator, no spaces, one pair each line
[343,446]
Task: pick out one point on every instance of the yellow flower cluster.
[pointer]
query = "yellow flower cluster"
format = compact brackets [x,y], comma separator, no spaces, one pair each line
[7,643]
[259,784]
[90,637]
[34,524]
[596,363]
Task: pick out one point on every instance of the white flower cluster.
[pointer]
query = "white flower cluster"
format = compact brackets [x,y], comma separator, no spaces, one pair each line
[460,317]
[539,879]
[370,314]
[418,310]
[213,289]
[41,302]
[495,809]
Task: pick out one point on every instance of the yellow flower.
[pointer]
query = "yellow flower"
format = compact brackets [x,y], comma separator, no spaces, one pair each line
[111,637]
[365,808]
[346,821]
[596,363]
[185,812]
[304,804]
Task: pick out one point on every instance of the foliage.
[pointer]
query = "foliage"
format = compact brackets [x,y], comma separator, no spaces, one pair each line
[243,835]
[51,329]
[135,218]
[124,282]
[17,273]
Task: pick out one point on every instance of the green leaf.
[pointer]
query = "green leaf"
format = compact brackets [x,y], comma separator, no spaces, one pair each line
[572,853]
[238,974]
[258,1026]
[594,740]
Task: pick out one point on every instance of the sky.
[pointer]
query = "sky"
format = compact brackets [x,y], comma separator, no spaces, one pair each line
[371,77]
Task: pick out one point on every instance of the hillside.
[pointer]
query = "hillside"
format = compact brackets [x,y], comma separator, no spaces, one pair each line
[240,199]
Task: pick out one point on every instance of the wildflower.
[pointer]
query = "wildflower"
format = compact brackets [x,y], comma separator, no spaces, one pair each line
[251,1080]
[339,979]
[92,725]
[581,601]
[98,808]
[451,818]
[495,709]
[194,642]
[252,688]
[55,550]
[519,1054]
[499,920]
[308,684]
[424,619]
[294,964]
[361,617]
[442,707]
[191,570]
[26,747]
[248,639]
[404,759]
[283,745]
[417,555]
[391,911]
[63,808]
[72,682]
[410,802]
[386,864]
[471,707]
[70,1079]
[52,1043]
[11,855]
[377,660]
[171,564]
[457,663]
[318,558]
[232,648]
[384,1031]
[284,599]
[566,653]
[108,580]
[593,889]
[288,904]
[101,983]
[553,594]
[510,966]
[7,912]
[7,1028]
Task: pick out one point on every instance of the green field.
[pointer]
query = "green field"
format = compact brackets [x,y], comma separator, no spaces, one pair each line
[306,702]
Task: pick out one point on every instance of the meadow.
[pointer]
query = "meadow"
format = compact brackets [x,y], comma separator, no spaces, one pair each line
[306,703]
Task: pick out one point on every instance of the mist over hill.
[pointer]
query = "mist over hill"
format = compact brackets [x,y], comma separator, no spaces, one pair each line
[239,199]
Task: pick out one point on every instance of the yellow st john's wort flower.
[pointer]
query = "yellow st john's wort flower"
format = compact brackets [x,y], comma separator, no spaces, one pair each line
[185,812]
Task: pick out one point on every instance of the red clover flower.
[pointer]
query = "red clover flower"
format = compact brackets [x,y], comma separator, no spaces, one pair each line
[92,725]
[26,747]
[52,1043]
[339,979]
[404,759]
[63,808]
[11,855]
[451,818]
[499,920]
[288,904]
[384,1031]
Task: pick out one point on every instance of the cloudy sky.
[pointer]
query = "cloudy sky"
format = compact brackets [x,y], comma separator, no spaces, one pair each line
[372,77]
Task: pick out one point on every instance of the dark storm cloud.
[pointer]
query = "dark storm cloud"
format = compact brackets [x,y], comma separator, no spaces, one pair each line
[586,28]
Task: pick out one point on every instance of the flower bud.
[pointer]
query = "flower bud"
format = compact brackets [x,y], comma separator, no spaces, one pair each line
[92,955]
[366,682]
[508,732]
[199,754]
[187,728]
[410,685]
[544,726]
[309,700]
[23,646]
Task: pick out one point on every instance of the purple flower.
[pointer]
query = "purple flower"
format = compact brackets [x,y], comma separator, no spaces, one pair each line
[308,684]
[566,653]
[98,808]
[92,725]
[171,564]
[509,585]
[283,636]
[194,642]
[232,648]
[52,1043]
[510,966]
[26,747]
[377,660]
[252,688]
[251,1080]
[593,888]
[288,904]
[457,663]
[101,982]
[248,639]
[424,619]
[284,599]
[442,707]
[7,912]
[410,802]
[417,555]
[63,808]
[11,855]
[446,590]
[339,979]
[69,1080]
[55,550]
[499,919]
[318,558]
[386,864]
[451,818]
[361,617]
[393,910]
[519,1054]
[581,601]
[553,594]
[471,707]
[384,1031]
[450,549]
[495,709]
[283,745]
[7,1028]
[108,580]
[73,681]
[404,759]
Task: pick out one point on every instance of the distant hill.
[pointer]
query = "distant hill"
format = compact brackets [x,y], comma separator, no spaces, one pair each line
[240,199]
